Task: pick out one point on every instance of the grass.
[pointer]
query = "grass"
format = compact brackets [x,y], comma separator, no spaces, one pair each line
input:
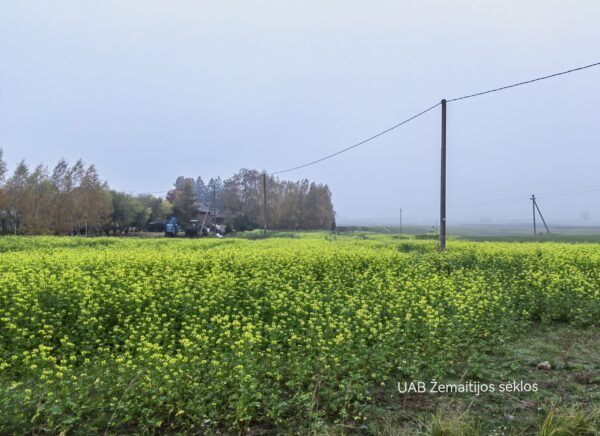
[567,402]
[572,421]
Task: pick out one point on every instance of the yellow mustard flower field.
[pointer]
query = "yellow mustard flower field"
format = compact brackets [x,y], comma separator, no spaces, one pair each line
[117,335]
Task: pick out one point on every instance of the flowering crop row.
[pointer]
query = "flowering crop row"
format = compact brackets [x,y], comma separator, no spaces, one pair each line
[109,334]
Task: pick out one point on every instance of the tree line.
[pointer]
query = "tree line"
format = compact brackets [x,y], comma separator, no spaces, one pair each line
[72,199]
[300,205]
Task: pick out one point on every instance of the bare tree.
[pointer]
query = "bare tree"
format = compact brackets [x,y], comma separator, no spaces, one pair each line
[39,202]
[16,194]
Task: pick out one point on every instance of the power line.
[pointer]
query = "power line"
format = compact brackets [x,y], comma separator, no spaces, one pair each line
[547,195]
[524,83]
[569,193]
[371,138]
[430,108]
[470,205]
[358,143]
[503,202]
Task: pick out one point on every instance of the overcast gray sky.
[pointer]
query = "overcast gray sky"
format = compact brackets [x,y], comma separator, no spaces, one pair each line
[149,90]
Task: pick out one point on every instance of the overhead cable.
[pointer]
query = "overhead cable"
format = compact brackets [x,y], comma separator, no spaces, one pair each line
[514,85]
[358,143]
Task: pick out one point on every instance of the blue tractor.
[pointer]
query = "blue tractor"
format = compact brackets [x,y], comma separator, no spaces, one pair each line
[172,227]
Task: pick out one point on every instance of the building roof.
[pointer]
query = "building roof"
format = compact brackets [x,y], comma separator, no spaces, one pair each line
[203,208]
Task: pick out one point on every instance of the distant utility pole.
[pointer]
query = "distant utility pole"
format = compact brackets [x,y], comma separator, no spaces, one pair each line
[541,216]
[533,208]
[215,204]
[400,220]
[443,182]
[536,207]
[264,180]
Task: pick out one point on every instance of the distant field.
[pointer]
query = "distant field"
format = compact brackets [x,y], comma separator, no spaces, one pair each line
[304,332]
[489,232]
[574,238]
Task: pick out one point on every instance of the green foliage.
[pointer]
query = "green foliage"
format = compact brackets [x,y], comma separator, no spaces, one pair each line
[184,204]
[430,236]
[223,335]
[129,210]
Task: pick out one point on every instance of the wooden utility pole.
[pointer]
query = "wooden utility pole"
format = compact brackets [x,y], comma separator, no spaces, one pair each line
[400,220]
[443,182]
[536,207]
[264,180]
[214,217]
[533,208]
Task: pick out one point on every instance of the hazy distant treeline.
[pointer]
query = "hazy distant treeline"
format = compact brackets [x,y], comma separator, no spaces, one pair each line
[73,199]
[239,198]
[69,199]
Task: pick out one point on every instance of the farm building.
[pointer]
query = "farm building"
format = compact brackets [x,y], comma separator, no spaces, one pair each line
[206,216]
